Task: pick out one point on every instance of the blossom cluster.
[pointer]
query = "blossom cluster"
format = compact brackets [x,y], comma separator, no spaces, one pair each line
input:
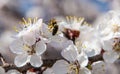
[78,41]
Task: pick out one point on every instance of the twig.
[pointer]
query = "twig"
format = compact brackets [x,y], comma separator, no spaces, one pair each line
[4,63]
[46,63]
[95,58]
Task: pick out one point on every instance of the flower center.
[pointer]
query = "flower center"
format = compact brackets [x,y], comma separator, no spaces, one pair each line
[116,45]
[115,28]
[25,23]
[71,34]
[74,68]
[30,49]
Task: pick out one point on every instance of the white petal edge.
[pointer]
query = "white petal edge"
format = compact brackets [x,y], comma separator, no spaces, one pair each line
[45,32]
[13,72]
[82,59]
[2,70]
[40,48]
[110,56]
[48,71]
[21,60]
[28,72]
[99,67]
[85,71]
[17,46]
[91,48]
[70,53]
[39,22]
[36,61]
[108,45]
[60,67]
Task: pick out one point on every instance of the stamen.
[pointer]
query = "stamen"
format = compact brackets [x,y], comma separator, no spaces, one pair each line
[85,23]
[116,45]
[29,20]
[74,68]
[115,28]
[67,18]
[76,71]
[22,23]
[35,20]
[70,17]
[84,46]
[25,22]
[26,48]
[15,29]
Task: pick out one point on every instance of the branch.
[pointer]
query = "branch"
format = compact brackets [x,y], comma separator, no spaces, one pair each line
[4,63]
[95,58]
[46,63]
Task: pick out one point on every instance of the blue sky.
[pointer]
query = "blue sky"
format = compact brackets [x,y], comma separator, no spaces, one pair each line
[25,5]
[102,6]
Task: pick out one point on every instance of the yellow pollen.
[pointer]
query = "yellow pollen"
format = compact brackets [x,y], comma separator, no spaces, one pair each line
[35,20]
[84,46]
[115,28]
[15,29]
[116,44]
[73,18]
[73,67]
[26,48]
[67,18]
[29,20]
[24,21]
[80,19]
[85,23]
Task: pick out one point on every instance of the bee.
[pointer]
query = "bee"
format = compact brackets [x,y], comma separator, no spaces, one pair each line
[53,27]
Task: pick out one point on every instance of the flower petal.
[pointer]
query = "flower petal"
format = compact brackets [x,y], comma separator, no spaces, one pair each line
[48,71]
[98,67]
[82,59]
[29,38]
[40,47]
[108,44]
[45,32]
[84,71]
[29,72]
[13,72]
[39,22]
[110,56]
[60,67]
[91,48]
[70,53]
[2,70]
[17,46]
[21,60]
[36,61]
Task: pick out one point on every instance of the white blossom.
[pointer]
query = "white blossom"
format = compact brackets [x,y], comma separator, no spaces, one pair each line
[110,26]
[112,52]
[29,45]
[89,41]
[76,64]
[73,23]
[109,33]
[83,35]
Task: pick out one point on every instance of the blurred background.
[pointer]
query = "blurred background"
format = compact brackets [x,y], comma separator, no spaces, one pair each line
[12,11]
